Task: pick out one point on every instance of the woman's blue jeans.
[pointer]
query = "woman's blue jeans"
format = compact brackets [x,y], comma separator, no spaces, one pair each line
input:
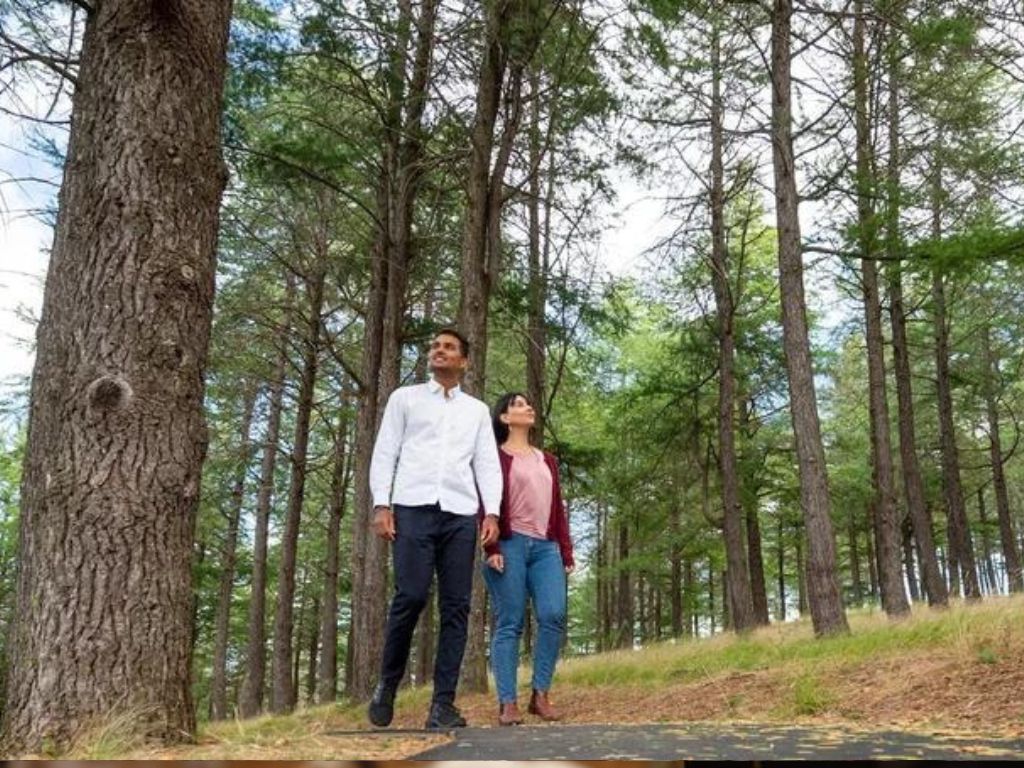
[534,570]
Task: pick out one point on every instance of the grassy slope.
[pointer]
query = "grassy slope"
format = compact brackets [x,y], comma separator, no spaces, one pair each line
[960,670]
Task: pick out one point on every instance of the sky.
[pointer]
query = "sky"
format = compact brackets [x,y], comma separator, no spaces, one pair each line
[24,247]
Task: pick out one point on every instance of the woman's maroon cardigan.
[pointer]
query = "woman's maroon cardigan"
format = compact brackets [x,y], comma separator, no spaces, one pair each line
[558,522]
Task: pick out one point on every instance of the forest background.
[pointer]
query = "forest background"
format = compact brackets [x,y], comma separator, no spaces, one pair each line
[744,442]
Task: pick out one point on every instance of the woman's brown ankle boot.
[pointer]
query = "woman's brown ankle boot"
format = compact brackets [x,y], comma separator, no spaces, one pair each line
[542,707]
[508,714]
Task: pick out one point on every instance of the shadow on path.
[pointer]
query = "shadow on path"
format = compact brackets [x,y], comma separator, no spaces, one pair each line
[689,741]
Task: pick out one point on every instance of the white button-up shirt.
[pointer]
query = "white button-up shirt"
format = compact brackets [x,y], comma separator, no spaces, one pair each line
[436,449]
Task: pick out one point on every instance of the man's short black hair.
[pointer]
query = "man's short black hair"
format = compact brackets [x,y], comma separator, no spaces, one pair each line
[463,341]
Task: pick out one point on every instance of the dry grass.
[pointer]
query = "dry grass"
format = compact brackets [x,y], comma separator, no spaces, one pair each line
[955,671]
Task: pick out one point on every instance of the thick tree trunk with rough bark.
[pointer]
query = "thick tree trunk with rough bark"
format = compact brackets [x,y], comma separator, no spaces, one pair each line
[1007,538]
[887,535]
[218,685]
[741,607]
[250,698]
[824,597]
[116,434]
[283,691]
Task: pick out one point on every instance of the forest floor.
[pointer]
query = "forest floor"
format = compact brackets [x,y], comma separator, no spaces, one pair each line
[947,673]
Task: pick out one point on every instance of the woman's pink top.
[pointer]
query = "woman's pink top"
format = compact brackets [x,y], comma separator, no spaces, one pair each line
[529,494]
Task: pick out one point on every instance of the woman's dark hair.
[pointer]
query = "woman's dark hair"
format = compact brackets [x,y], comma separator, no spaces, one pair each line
[501,407]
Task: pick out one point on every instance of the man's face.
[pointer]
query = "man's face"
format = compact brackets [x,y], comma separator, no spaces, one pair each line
[446,355]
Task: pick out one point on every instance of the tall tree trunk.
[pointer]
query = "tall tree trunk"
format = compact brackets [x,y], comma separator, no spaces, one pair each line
[116,432]
[536,328]
[748,498]
[218,685]
[1007,538]
[986,544]
[913,485]
[801,580]
[780,562]
[689,612]
[908,559]
[855,577]
[397,194]
[481,244]
[328,683]
[961,548]
[283,693]
[624,612]
[825,599]
[676,566]
[711,597]
[887,536]
[250,698]
[313,648]
[741,607]
[870,556]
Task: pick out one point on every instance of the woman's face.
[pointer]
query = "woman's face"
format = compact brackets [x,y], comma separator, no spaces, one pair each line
[520,413]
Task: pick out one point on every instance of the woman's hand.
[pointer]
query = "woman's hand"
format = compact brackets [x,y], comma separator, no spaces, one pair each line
[497,562]
[569,569]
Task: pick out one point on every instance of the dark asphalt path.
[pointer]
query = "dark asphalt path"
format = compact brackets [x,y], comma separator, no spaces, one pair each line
[688,741]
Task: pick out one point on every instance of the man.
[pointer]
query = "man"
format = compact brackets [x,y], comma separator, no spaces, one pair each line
[434,464]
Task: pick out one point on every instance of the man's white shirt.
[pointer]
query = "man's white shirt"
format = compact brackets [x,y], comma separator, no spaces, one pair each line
[433,448]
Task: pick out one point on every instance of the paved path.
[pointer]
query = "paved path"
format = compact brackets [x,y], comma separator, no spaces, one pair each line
[689,741]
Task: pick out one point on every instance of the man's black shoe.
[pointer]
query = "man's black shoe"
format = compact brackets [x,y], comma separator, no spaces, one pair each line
[382,706]
[444,716]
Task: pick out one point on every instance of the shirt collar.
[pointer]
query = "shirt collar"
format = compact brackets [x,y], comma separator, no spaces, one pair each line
[435,387]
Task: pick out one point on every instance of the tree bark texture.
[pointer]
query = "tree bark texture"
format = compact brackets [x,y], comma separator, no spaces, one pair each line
[116,434]
[826,605]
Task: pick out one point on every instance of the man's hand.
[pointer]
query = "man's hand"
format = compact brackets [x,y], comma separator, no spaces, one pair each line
[497,562]
[384,523]
[489,530]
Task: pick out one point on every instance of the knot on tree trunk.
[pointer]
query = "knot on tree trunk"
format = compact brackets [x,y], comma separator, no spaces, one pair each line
[108,393]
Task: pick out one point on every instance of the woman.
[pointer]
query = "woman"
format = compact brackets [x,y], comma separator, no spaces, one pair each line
[530,560]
